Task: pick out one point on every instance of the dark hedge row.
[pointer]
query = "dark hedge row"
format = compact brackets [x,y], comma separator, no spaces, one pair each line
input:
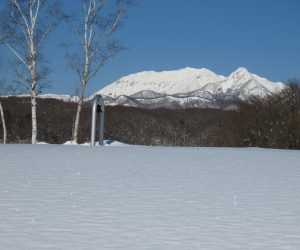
[191,127]
[272,122]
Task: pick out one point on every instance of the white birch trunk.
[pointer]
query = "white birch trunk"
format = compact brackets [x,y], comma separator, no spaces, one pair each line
[77,119]
[87,42]
[32,68]
[33,117]
[3,124]
[33,103]
[33,96]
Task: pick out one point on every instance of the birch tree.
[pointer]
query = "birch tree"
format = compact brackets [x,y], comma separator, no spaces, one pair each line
[24,27]
[5,89]
[2,92]
[3,123]
[99,21]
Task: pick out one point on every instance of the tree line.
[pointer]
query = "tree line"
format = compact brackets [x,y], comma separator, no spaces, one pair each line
[169,127]
[269,122]
[24,29]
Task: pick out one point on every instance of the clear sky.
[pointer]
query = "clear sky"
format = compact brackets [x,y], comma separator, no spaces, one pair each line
[221,35]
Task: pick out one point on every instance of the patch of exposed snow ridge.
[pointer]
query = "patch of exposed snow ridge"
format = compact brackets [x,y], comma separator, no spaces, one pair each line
[105,143]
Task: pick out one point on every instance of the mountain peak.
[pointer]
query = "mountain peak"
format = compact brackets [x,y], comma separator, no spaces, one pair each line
[240,71]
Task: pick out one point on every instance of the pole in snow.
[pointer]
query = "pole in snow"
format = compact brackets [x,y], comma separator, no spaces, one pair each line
[98,108]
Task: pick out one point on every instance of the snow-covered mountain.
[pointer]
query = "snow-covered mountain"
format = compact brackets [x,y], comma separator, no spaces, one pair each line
[188,87]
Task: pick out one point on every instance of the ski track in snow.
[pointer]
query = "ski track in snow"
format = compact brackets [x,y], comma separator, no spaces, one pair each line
[62,197]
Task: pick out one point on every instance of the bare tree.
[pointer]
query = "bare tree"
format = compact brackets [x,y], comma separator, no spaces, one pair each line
[2,91]
[5,90]
[3,121]
[24,27]
[101,19]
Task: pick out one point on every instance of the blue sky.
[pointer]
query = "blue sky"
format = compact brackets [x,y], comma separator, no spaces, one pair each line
[221,35]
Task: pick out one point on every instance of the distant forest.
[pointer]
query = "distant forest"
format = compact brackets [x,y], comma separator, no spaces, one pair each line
[270,122]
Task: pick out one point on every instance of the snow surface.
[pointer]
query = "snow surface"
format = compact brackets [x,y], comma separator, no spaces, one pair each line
[73,197]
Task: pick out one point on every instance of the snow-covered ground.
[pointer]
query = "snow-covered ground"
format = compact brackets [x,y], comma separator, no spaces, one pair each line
[74,197]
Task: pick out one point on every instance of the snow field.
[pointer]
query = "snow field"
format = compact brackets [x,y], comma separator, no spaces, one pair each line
[73,197]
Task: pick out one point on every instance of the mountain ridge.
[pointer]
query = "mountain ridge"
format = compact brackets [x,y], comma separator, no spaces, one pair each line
[187,87]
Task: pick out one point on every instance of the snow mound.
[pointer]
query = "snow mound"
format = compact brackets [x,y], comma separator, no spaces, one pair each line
[105,143]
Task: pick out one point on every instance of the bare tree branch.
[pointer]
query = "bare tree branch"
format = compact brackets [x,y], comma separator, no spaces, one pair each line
[17,54]
[15,3]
